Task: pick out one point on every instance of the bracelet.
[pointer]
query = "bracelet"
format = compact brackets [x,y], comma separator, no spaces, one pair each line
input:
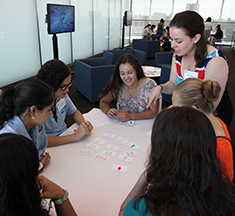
[161,87]
[107,111]
[63,199]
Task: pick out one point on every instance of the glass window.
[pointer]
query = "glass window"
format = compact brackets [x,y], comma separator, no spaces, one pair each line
[210,8]
[161,9]
[228,11]
[182,5]
[140,9]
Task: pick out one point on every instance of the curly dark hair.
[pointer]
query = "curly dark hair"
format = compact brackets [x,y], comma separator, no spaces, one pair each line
[19,193]
[53,73]
[183,169]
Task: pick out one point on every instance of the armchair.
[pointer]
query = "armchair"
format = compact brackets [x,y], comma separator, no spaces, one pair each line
[149,47]
[113,55]
[91,76]
[163,59]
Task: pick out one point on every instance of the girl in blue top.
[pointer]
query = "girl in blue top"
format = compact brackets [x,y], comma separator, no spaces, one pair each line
[56,74]
[183,175]
[23,110]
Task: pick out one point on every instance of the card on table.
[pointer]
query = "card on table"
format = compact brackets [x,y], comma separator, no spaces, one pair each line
[101,157]
[84,152]
[130,123]
[121,140]
[133,145]
[92,146]
[112,147]
[99,141]
[109,135]
[130,153]
[119,168]
[124,158]
[108,153]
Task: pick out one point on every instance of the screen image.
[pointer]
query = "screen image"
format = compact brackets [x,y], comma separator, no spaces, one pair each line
[60,18]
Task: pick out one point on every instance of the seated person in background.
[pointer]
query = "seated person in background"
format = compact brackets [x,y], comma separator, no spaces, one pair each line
[129,86]
[149,38]
[167,34]
[201,95]
[218,35]
[152,29]
[57,75]
[166,46]
[23,110]
[183,175]
[146,30]
[208,27]
[160,38]
[21,187]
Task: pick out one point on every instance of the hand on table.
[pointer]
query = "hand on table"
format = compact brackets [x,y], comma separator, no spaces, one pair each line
[50,190]
[123,116]
[83,130]
[46,158]
[112,113]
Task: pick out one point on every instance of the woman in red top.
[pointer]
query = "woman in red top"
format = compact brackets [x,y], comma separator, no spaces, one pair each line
[201,95]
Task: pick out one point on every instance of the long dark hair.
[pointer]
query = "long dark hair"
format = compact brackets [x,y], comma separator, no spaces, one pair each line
[53,73]
[115,82]
[19,192]
[183,170]
[17,99]
[193,24]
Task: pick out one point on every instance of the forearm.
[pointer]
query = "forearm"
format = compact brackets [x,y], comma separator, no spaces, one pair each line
[148,114]
[59,140]
[78,117]
[167,88]
[104,107]
[65,209]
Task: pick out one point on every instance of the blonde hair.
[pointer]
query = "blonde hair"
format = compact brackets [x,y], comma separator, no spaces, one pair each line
[202,94]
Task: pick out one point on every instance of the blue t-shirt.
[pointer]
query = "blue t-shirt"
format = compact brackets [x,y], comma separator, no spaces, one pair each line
[64,106]
[37,133]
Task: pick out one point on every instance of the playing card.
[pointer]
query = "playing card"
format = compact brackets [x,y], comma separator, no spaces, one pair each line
[130,153]
[130,123]
[125,158]
[92,146]
[112,147]
[121,140]
[101,157]
[99,141]
[108,153]
[133,145]
[108,135]
[119,168]
[85,152]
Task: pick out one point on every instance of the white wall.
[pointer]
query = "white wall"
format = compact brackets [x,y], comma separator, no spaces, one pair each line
[25,44]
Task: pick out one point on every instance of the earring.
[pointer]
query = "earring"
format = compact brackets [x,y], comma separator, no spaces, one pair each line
[32,117]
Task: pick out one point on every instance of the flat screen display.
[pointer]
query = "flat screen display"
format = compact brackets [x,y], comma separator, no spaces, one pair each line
[60,18]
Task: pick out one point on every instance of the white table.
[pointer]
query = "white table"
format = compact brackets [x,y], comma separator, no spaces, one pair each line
[94,189]
[151,71]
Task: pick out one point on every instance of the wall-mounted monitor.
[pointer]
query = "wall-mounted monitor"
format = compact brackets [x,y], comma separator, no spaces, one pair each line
[60,18]
[127,18]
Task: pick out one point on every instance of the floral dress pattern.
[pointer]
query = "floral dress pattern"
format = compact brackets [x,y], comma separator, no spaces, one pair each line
[137,103]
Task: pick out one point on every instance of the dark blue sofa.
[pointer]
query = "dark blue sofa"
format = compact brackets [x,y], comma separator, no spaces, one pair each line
[113,55]
[91,76]
[149,47]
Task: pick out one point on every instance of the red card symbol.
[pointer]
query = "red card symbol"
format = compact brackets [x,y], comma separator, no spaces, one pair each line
[119,168]
[74,130]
